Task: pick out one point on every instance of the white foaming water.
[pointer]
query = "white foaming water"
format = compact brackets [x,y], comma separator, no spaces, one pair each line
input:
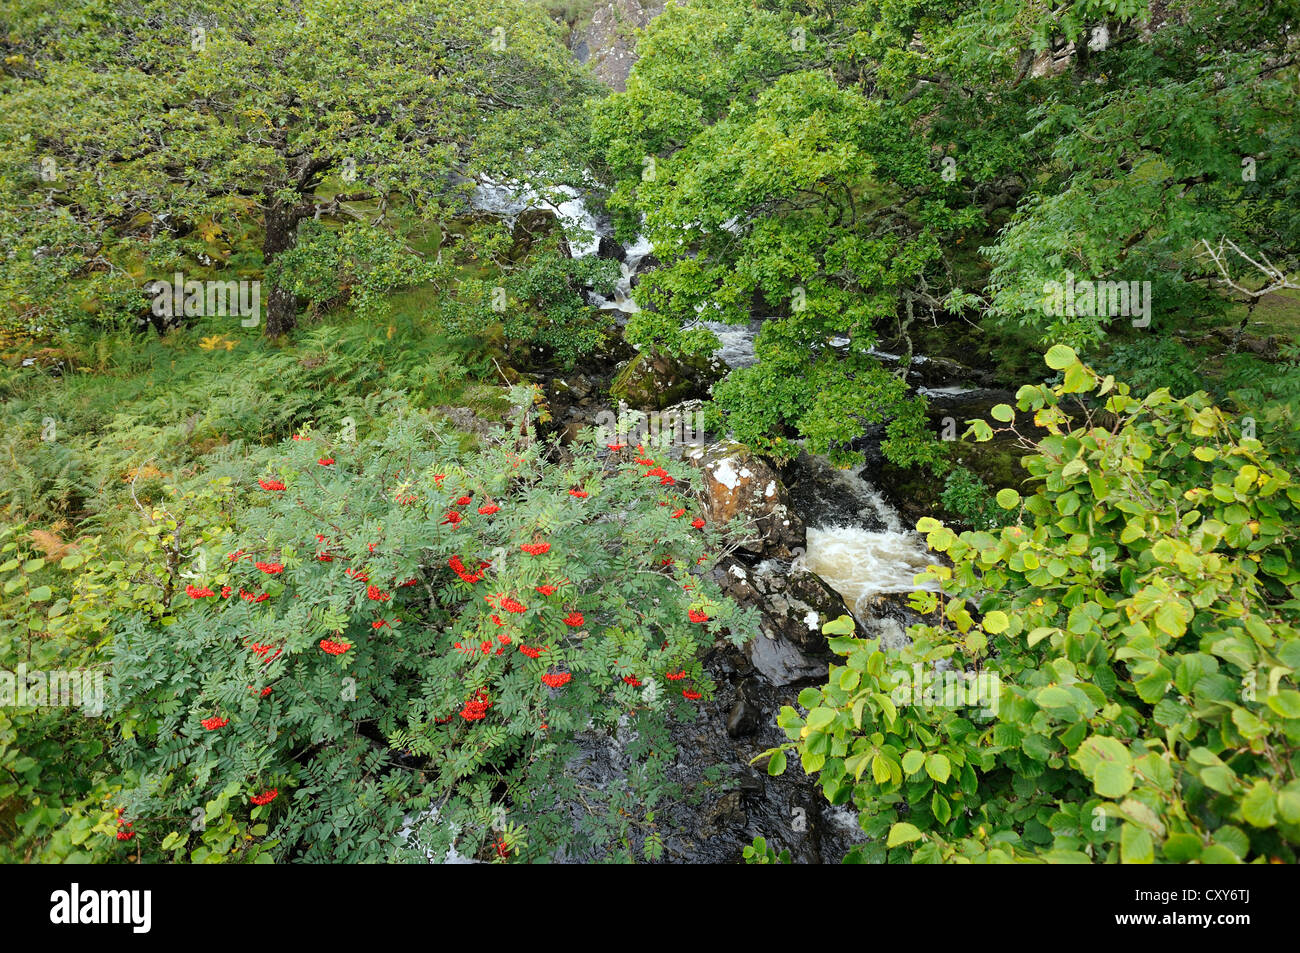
[622,301]
[508,199]
[865,559]
[736,342]
[861,564]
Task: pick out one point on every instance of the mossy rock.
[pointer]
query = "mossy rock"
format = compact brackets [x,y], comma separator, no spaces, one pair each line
[654,381]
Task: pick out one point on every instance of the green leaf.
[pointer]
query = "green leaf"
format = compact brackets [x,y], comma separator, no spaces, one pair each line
[1037,635]
[1002,412]
[902,833]
[1258,807]
[819,718]
[1135,845]
[1285,702]
[1008,498]
[1059,357]
[880,770]
[776,764]
[1113,780]
[912,762]
[996,621]
[938,767]
[844,625]
[940,808]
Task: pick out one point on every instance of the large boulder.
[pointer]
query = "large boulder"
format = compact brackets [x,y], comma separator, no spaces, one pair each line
[738,484]
[652,381]
[606,39]
[793,606]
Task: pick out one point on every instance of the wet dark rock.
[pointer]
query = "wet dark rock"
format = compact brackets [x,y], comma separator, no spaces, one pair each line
[945,372]
[648,263]
[609,248]
[728,813]
[743,719]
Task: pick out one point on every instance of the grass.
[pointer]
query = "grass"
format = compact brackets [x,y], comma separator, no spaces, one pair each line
[152,408]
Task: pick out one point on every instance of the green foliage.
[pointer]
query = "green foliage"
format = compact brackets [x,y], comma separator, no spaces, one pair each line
[1130,193]
[760,853]
[969,498]
[1124,656]
[351,672]
[143,138]
[847,171]
[554,313]
[54,770]
[366,263]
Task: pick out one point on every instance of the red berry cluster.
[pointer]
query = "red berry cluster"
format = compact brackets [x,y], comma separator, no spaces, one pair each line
[579,494]
[573,619]
[326,461]
[536,549]
[693,696]
[266,797]
[270,569]
[675,676]
[545,590]
[531,652]
[695,616]
[488,509]
[476,707]
[194,592]
[274,485]
[557,679]
[459,567]
[330,647]
[215,722]
[375,594]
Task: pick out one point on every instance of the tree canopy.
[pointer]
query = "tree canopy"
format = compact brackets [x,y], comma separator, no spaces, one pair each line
[853,169]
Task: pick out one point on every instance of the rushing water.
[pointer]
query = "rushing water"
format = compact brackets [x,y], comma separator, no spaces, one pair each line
[856,542]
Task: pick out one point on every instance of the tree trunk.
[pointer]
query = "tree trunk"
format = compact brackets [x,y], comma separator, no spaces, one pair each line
[281,302]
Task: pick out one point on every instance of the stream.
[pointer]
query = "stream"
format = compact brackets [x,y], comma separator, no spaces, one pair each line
[857,542]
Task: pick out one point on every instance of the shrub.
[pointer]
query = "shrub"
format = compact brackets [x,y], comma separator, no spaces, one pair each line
[1134,635]
[397,639]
